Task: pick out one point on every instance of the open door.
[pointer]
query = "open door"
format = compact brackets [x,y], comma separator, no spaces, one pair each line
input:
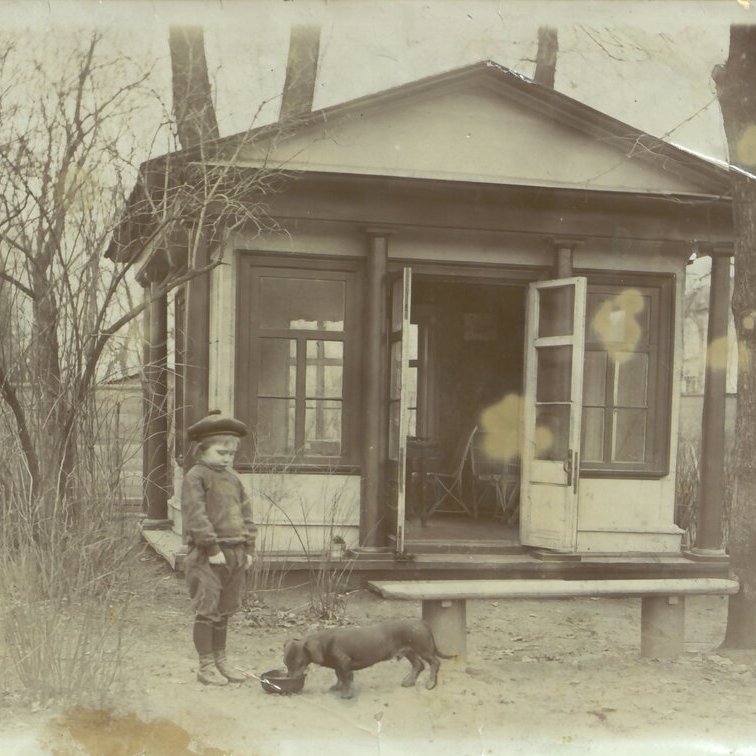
[552,410]
[399,399]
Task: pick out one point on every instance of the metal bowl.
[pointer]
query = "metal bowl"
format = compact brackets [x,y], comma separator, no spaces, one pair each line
[278,681]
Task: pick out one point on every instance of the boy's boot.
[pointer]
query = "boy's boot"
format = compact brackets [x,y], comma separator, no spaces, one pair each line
[229,672]
[203,642]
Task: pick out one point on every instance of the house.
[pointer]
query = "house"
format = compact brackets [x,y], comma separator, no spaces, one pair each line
[470,250]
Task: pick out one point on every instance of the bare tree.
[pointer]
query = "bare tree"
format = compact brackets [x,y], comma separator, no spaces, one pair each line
[734,82]
[67,255]
[82,217]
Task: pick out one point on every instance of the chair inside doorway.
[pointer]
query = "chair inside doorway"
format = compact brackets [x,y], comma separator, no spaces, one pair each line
[467,356]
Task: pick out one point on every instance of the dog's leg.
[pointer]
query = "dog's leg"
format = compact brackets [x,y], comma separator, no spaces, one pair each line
[435,665]
[417,668]
[346,677]
[338,685]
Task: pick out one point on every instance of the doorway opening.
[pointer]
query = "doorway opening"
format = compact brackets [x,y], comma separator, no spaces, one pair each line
[465,380]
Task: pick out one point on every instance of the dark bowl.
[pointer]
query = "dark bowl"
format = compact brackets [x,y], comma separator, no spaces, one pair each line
[278,681]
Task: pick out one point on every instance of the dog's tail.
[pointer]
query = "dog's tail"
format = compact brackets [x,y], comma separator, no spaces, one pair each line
[443,656]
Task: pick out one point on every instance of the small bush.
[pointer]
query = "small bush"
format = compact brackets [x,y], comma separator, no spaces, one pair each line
[65,583]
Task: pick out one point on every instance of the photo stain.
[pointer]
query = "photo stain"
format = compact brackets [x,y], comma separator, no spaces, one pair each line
[745,149]
[616,326]
[101,732]
[500,425]
[716,354]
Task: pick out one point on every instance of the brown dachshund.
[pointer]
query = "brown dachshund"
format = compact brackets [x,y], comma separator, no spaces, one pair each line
[347,649]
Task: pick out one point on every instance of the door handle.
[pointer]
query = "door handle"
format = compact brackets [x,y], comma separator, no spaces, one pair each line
[568,466]
[571,468]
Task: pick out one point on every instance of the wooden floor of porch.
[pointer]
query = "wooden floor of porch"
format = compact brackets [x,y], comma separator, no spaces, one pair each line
[445,549]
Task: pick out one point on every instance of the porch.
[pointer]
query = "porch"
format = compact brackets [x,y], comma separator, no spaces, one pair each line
[444,558]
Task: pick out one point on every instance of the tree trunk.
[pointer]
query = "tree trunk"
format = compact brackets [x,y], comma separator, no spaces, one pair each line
[741,617]
[737,100]
[546,57]
[301,72]
[192,97]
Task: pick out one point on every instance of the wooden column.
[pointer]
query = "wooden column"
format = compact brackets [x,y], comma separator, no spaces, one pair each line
[156,419]
[563,252]
[146,392]
[711,488]
[372,526]
[196,344]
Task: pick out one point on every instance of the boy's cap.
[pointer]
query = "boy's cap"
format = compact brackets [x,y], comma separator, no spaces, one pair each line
[215,423]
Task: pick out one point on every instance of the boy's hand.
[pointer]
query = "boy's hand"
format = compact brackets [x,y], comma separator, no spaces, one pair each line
[219,558]
[250,561]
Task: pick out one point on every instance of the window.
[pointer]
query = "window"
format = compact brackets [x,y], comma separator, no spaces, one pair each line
[625,392]
[296,381]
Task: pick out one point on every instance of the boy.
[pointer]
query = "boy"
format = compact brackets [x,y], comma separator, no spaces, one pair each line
[220,534]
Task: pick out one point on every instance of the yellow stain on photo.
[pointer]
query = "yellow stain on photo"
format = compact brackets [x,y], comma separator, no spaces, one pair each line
[716,354]
[616,324]
[746,147]
[500,425]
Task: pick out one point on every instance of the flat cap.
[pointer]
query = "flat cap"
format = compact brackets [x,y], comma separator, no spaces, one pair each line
[215,423]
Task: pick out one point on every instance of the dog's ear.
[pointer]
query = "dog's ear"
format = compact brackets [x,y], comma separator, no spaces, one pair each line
[290,649]
[314,650]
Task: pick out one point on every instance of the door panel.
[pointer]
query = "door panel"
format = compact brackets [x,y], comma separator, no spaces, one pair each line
[552,411]
[399,397]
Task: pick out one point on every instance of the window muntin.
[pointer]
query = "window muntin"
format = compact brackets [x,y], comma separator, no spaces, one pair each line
[297,385]
[624,424]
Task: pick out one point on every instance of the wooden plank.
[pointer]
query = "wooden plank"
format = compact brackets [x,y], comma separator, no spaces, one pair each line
[538,589]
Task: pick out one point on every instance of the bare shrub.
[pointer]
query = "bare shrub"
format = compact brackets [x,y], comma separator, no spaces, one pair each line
[66,580]
[686,492]
[319,538]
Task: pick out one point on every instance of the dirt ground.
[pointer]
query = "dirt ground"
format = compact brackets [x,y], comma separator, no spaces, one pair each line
[549,677]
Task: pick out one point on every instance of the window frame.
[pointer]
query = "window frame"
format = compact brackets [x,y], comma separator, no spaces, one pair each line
[251,265]
[179,363]
[661,288]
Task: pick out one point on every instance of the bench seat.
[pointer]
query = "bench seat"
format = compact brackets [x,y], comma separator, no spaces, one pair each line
[662,603]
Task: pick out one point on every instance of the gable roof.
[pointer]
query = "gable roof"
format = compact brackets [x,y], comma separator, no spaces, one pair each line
[482,122]
[416,129]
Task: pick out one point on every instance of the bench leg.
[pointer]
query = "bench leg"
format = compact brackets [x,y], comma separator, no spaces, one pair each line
[448,621]
[662,626]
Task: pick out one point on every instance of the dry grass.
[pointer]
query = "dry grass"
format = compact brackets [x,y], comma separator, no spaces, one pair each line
[66,581]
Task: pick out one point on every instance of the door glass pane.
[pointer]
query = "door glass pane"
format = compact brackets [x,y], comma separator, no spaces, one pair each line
[302,303]
[278,367]
[412,338]
[324,371]
[629,435]
[393,439]
[275,426]
[397,287]
[556,311]
[552,435]
[323,427]
[594,379]
[554,374]
[593,434]
[411,387]
[395,369]
[632,379]
[618,319]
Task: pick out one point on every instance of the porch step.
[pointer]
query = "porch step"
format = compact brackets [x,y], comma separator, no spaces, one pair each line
[458,546]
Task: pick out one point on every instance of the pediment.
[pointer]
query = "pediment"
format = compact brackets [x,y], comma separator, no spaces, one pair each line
[479,127]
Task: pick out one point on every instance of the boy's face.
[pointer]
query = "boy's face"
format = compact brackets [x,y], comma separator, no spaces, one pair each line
[220,454]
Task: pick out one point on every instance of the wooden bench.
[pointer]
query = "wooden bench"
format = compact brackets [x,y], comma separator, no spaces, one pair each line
[662,603]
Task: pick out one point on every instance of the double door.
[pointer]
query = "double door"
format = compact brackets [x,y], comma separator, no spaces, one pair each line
[551,409]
